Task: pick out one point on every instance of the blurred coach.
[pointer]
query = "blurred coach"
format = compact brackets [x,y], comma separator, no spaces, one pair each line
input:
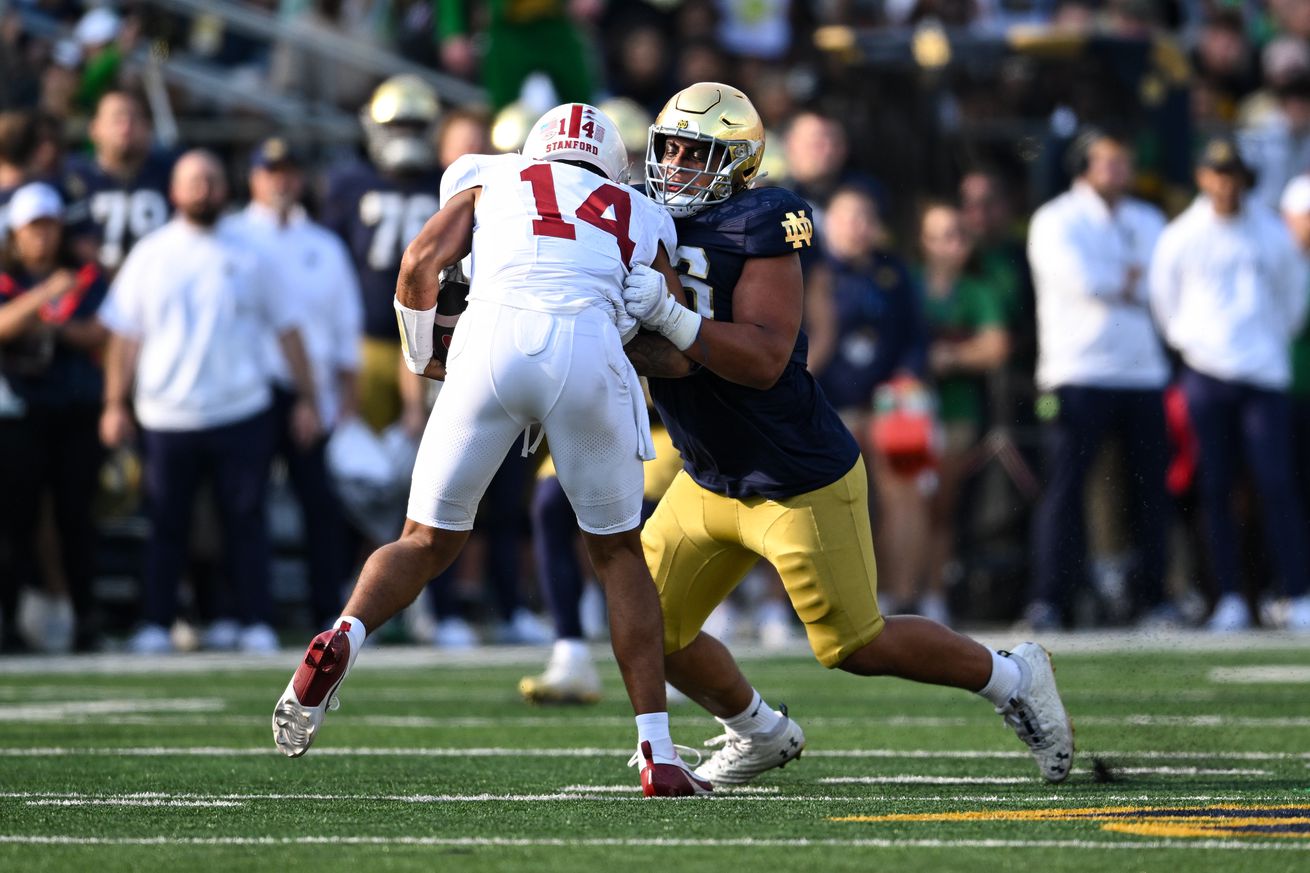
[1101,365]
[188,314]
[316,276]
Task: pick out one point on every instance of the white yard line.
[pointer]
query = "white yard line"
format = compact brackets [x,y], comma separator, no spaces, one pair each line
[1112,757]
[670,842]
[914,779]
[391,658]
[90,710]
[1255,675]
[128,801]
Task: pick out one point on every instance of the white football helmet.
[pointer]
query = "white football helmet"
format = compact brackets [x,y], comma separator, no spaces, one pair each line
[579,132]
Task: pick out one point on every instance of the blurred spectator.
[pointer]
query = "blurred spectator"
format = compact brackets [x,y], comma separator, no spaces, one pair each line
[17,145]
[816,147]
[967,340]
[864,318]
[102,38]
[321,76]
[640,66]
[1103,372]
[318,280]
[988,218]
[120,194]
[49,345]
[1224,61]
[1296,213]
[377,208]
[1228,288]
[522,39]
[1278,147]
[462,132]
[757,30]
[189,313]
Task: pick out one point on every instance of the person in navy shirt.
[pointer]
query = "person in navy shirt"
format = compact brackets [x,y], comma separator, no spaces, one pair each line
[51,379]
[119,194]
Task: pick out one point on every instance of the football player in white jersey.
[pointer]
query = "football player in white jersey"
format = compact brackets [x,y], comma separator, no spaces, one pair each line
[553,233]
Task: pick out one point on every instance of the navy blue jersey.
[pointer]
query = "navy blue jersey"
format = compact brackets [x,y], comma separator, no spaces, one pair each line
[377,215]
[880,329]
[739,441]
[40,368]
[116,212]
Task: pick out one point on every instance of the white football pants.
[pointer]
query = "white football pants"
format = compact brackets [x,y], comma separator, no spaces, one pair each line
[509,369]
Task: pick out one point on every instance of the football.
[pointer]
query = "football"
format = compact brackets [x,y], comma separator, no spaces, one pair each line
[452,299]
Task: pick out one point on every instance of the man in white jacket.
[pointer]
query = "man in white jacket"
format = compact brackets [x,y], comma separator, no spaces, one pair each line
[1101,369]
[1228,288]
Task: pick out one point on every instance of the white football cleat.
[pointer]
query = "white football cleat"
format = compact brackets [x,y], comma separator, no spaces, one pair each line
[1298,614]
[312,691]
[745,756]
[570,677]
[1037,715]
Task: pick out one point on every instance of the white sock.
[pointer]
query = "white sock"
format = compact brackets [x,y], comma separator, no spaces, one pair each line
[653,728]
[758,718]
[1005,681]
[355,632]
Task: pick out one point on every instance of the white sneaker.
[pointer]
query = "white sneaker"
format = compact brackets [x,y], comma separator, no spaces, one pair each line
[1230,614]
[774,622]
[1298,614]
[1037,715]
[151,639]
[525,629]
[221,636]
[258,639]
[454,633]
[570,677]
[312,691]
[742,757]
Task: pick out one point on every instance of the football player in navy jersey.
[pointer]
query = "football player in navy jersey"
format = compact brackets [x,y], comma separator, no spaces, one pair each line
[119,194]
[377,208]
[770,471]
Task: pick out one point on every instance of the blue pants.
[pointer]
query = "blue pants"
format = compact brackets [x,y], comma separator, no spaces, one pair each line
[324,526]
[1086,417]
[1237,422]
[236,458]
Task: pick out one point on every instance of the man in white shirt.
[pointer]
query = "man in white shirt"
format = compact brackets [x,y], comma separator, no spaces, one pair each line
[318,280]
[553,235]
[1102,368]
[188,314]
[1228,288]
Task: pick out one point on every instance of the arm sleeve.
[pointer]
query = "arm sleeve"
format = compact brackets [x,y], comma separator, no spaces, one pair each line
[1163,283]
[1063,264]
[350,314]
[122,311]
[1295,286]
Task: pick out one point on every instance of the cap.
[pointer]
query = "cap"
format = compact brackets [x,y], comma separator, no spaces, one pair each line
[273,152]
[33,201]
[1221,155]
[1296,196]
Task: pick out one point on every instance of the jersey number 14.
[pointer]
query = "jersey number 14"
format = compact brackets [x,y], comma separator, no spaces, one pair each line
[592,210]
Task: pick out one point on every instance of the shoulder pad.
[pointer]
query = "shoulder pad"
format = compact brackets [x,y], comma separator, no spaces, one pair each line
[776,222]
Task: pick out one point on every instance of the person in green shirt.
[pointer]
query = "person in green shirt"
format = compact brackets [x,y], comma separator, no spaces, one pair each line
[522,37]
[968,339]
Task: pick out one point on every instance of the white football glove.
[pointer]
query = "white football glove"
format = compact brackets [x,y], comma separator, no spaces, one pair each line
[647,299]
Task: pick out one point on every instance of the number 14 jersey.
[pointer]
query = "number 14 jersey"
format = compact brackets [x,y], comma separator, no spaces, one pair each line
[554,237]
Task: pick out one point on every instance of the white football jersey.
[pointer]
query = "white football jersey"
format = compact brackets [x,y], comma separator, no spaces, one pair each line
[554,237]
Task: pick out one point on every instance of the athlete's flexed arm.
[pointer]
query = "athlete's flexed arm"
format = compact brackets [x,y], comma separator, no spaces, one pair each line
[445,238]
[751,350]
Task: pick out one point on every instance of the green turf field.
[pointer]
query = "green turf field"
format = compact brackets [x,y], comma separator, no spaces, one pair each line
[432,763]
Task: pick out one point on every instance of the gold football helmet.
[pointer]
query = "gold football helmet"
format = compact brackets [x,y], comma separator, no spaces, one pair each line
[398,123]
[716,114]
[632,121]
[510,128]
